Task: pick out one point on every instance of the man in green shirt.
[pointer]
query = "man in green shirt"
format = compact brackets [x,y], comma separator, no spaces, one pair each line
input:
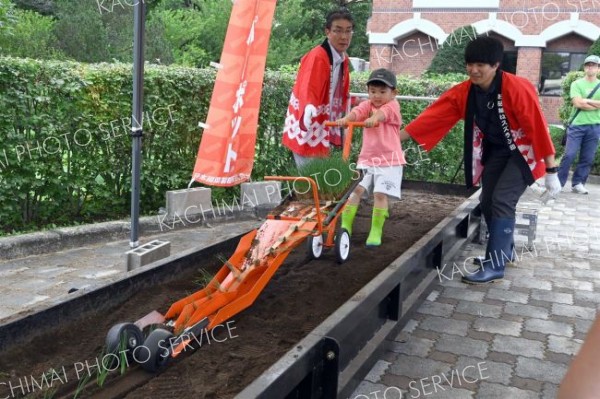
[584,132]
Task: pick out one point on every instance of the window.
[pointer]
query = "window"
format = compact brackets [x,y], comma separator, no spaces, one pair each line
[509,62]
[555,66]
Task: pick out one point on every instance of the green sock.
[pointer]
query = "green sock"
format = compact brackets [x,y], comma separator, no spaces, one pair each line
[377,221]
[348,217]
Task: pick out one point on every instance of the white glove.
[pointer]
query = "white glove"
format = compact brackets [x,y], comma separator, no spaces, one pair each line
[552,184]
[309,113]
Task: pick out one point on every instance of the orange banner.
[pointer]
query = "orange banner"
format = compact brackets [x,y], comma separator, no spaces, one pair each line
[226,153]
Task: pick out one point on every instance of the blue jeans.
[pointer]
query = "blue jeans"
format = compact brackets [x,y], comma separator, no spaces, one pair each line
[582,139]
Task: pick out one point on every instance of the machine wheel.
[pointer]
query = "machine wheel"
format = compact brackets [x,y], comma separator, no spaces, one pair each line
[157,350]
[124,337]
[342,245]
[314,246]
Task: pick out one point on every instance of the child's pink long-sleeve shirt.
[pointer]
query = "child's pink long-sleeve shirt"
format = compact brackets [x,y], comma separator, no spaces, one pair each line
[381,145]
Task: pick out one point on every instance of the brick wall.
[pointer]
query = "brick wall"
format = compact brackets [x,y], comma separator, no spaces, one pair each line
[413,53]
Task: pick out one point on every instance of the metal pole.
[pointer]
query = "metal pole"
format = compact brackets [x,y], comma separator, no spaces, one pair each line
[136,118]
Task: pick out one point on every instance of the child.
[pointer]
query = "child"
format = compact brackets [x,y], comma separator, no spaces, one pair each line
[381,155]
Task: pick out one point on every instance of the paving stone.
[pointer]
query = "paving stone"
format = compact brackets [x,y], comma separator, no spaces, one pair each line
[495,326]
[410,326]
[432,335]
[414,346]
[463,294]
[565,345]
[582,326]
[496,391]
[462,346]
[416,367]
[540,370]
[443,357]
[377,371]
[574,285]
[518,346]
[367,390]
[551,296]
[574,311]
[526,310]
[486,370]
[587,296]
[433,295]
[526,384]
[559,358]
[436,309]
[439,324]
[549,327]
[479,309]
[550,390]
[532,283]
[509,296]
[535,336]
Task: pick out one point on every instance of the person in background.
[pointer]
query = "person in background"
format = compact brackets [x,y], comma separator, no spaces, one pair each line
[507,144]
[584,131]
[381,155]
[320,92]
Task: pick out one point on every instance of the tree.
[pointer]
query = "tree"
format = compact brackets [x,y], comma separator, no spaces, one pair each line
[450,56]
[299,25]
[594,48]
[7,16]
[32,36]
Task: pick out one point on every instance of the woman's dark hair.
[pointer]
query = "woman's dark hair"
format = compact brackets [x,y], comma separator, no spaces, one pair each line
[340,13]
[484,49]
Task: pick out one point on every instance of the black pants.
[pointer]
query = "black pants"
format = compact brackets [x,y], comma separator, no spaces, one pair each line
[502,184]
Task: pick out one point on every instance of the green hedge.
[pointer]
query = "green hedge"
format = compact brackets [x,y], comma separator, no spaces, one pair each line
[65,152]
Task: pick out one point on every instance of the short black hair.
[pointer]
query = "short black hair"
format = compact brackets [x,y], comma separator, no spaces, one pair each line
[484,49]
[339,13]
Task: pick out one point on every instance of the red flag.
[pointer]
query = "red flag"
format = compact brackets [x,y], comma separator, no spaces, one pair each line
[226,153]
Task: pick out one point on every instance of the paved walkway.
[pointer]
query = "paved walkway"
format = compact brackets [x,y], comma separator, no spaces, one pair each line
[36,282]
[509,340]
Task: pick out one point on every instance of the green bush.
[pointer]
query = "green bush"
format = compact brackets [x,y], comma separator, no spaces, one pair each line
[450,57]
[65,153]
[32,36]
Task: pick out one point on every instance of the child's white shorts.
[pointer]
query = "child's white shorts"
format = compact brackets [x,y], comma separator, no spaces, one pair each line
[382,179]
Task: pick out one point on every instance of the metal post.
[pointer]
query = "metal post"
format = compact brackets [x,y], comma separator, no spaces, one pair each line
[136,118]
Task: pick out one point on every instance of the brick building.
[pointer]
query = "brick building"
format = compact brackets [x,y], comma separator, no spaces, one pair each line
[543,39]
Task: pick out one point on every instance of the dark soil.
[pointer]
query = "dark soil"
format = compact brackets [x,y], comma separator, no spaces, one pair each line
[299,297]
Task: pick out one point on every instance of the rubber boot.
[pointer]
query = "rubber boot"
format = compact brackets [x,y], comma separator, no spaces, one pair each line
[498,251]
[511,262]
[377,221]
[348,217]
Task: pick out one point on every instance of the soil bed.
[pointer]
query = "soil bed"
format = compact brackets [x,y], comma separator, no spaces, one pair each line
[299,297]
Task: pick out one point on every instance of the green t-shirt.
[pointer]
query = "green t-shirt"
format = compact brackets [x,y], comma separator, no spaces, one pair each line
[582,88]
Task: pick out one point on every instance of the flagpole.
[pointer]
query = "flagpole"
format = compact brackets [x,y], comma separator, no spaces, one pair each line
[136,118]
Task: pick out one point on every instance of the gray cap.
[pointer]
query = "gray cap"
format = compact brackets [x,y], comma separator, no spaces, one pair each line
[384,76]
[592,58]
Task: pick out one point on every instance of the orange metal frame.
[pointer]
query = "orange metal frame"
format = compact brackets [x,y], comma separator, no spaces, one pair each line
[254,262]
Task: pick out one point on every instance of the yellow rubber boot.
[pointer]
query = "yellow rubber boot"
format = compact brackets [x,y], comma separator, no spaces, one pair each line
[377,221]
[348,217]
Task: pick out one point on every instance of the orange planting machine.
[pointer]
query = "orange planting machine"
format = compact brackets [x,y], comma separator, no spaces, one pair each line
[241,279]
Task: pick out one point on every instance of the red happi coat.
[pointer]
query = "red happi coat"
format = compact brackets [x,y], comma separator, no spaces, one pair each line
[313,87]
[525,118]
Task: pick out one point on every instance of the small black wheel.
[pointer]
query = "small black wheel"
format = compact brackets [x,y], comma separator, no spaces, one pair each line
[124,337]
[342,245]
[157,350]
[314,246]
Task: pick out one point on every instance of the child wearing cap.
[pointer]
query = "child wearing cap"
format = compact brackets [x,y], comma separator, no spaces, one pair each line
[381,157]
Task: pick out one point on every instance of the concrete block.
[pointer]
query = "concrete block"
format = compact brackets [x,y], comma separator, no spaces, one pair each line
[189,201]
[147,253]
[260,193]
